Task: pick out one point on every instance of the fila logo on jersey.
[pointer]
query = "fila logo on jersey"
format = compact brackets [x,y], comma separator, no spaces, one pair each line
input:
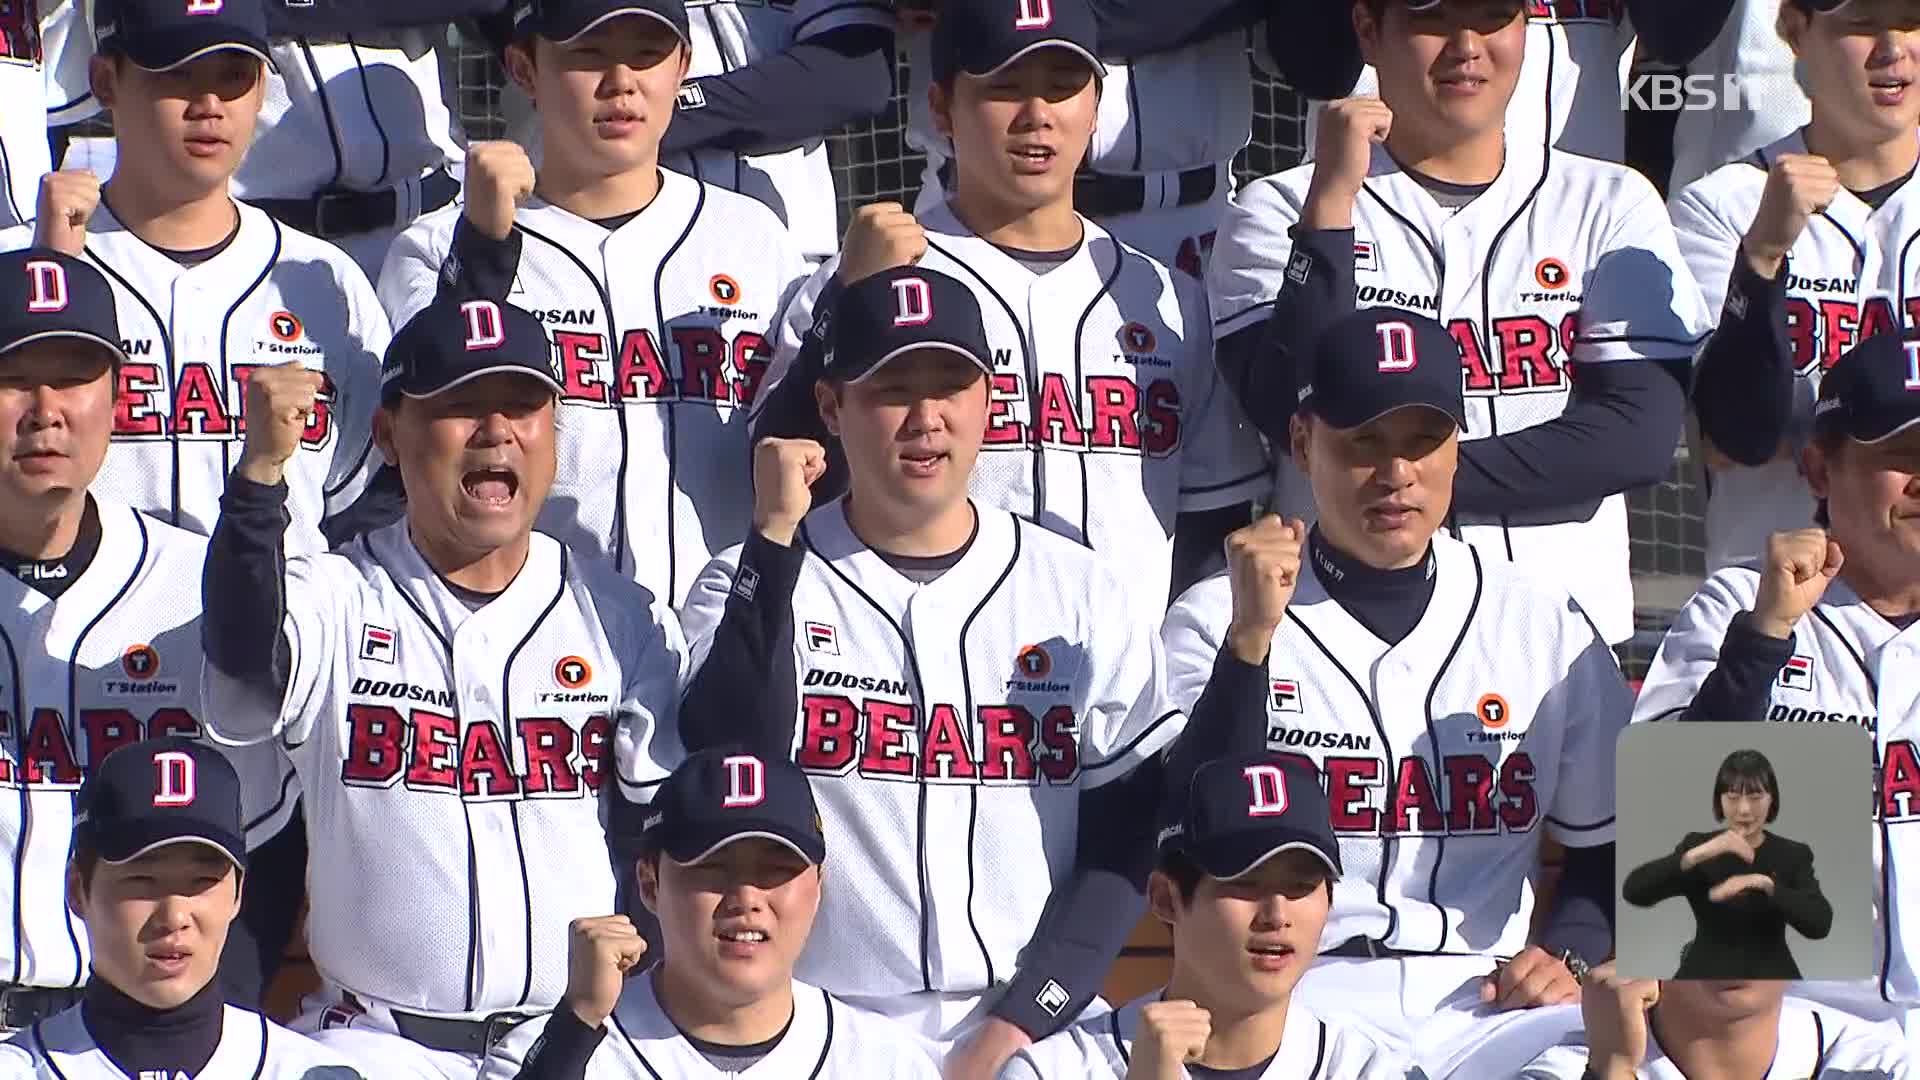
[431,752]
[1269,790]
[45,755]
[376,644]
[712,368]
[1034,15]
[1283,695]
[1797,672]
[174,780]
[746,781]
[1005,744]
[1363,256]
[484,329]
[46,286]
[820,639]
[913,302]
[1052,998]
[1397,352]
[691,96]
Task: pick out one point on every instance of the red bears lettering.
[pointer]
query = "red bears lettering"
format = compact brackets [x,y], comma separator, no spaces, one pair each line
[51,759]
[1525,358]
[1900,782]
[880,738]
[436,753]
[1124,415]
[199,406]
[580,357]
[1479,796]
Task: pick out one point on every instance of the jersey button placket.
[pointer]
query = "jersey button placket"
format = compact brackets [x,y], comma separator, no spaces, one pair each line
[942,817]
[496,881]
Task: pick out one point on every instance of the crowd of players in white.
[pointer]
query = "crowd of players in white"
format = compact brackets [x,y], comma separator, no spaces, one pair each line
[539,548]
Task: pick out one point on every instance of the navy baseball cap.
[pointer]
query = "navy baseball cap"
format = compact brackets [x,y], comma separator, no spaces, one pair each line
[449,343]
[45,294]
[980,37]
[160,35]
[898,311]
[1375,360]
[719,796]
[164,791]
[1822,6]
[1872,393]
[1238,812]
[561,21]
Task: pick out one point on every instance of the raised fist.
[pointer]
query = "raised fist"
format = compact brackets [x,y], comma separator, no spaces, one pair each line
[280,401]
[67,199]
[601,952]
[1344,139]
[881,236]
[783,474]
[1263,565]
[1171,1036]
[1615,1011]
[499,176]
[1799,566]
[1798,187]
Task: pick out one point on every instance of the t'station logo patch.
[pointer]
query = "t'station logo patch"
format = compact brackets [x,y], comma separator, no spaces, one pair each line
[572,672]
[140,662]
[1034,663]
[1493,711]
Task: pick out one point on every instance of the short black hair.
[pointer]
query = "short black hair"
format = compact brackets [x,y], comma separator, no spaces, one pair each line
[1746,770]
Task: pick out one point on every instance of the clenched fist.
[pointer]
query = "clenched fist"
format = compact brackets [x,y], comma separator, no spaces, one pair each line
[499,176]
[1263,565]
[1798,187]
[881,236]
[1172,1035]
[1726,842]
[601,952]
[783,474]
[1738,884]
[280,401]
[1799,566]
[1615,1011]
[1343,145]
[67,199]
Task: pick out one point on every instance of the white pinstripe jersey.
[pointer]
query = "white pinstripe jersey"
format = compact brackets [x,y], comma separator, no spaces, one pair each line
[660,332]
[1815,1044]
[194,334]
[114,660]
[1443,755]
[451,762]
[1108,417]
[1854,272]
[1563,261]
[251,1048]
[949,729]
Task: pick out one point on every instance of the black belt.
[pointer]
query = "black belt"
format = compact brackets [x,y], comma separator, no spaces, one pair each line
[1365,948]
[475,1037]
[1099,195]
[339,212]
[25,1006]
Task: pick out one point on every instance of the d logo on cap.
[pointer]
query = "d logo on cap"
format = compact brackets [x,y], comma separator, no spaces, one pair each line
[1269,790]
[746,781]
[1913,365]
[1397,352]
[1034,15]
[914,299]
[205,7]
[46,286]
[174,782]
[483,325]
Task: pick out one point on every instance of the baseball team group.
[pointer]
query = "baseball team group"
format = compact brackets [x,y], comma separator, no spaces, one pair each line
[631,628]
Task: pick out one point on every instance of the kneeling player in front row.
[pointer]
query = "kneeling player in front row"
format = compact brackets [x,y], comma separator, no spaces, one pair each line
[733,864]
[1245,881]
[157,864]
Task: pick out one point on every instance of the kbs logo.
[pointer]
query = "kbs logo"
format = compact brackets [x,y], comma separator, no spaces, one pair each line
[1120,416]
[45,755]
[199,406]
[712,368]
[1657,91]
[881,740]
[1471,795]
[430,752]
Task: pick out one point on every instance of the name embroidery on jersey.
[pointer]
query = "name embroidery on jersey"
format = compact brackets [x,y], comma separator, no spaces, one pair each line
[45,756]
[713,368]
[198,406]
[880,738]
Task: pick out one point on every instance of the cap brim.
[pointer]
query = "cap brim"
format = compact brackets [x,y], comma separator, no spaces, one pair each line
[113,347]
[167,51]
[467,377]
[601,20]
[977,360]
[1241,856]
[1099,68]
[700,849]
[131,841]
[1348,423]
[1871,437]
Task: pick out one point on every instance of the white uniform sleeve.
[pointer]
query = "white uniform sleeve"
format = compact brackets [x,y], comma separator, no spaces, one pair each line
[1708,242]
[315,625]
[1250,255]
[1222,459]
[647,727]
[410,276]
[1641,303]
[15,237]
[66,46]
[1129,716]
[1558,1063]
[1592,705]
[1021,1067]
[356,397]
[1193,634]
[1691,649]
[814,17]
[790,326]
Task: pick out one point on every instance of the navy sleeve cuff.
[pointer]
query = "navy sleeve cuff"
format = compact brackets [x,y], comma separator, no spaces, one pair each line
[1743,382]
[478,267]
[1741,684]
[564,1048]
[243,580]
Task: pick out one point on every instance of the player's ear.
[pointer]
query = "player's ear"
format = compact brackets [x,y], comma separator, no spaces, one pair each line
[383,434]
[826,398]
[1791,25]
[1367,29]
[101,80]
[518,61]
[647,872]
[1163,897]
[76,890]
[1815,466]
[940,106]
[1298,430]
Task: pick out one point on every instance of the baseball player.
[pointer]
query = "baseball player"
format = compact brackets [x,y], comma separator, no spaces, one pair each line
[659,291]
[209,290]
[44,46]
[1109,423]
[733,863]
[158,858]
[1176,105]
[1803,250]
[100,622]
[1245,881]
[1712,1028]
[1827,628]
[457,692]
[1382,653]
[1541,264]
[1736,47]
[1032,678]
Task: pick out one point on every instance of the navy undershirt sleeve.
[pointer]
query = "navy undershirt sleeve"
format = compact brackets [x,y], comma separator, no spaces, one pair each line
[1676,33]
[242,594]
[744,693]
[812,89]
[1582,915]
[1740,686]
[1743,383]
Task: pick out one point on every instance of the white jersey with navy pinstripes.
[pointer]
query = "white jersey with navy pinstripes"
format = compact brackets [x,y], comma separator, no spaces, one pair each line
[452,761]
[251,1048]
[1107,416]
[827,1039]
[1563,261]
[1854,272]
[1310,1049]
[114,660]
[1445,755]
[949,729]
[1815,1044]
[193,334]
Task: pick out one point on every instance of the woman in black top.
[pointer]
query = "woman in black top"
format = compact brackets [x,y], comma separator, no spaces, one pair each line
[1745,884]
